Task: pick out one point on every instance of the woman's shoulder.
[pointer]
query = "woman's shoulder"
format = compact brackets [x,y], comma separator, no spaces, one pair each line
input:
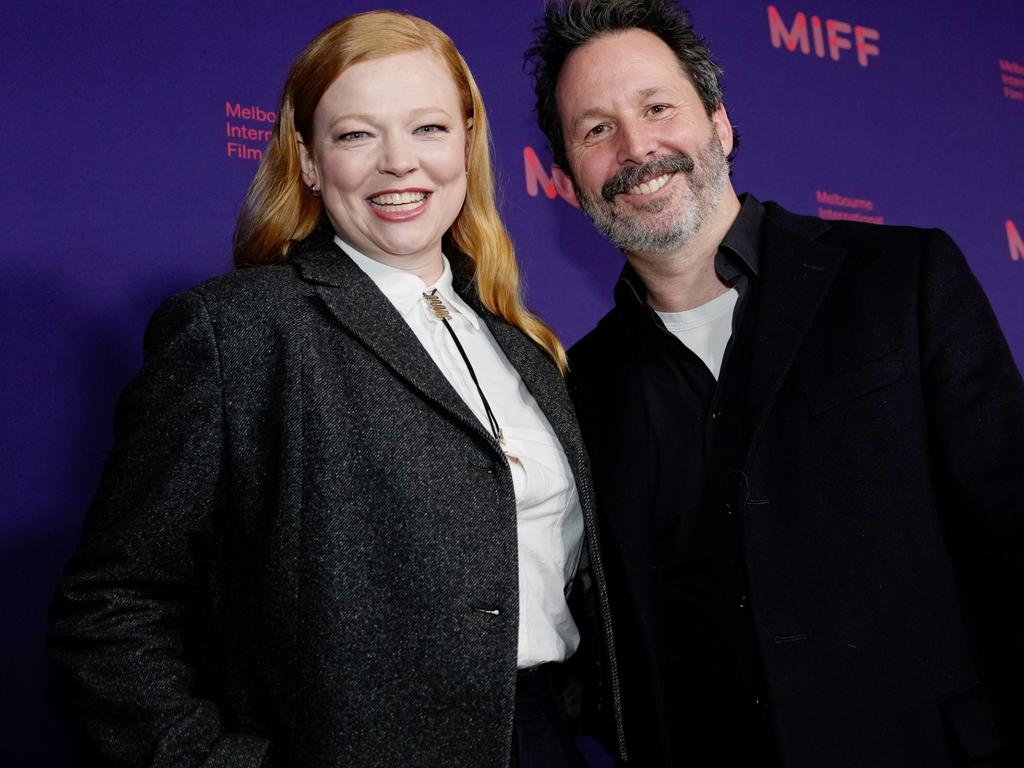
[250,283]
[270,288]
[254,300]
[260,292]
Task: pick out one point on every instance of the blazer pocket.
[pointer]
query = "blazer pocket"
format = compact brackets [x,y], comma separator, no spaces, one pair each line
[855,382]
[971,721]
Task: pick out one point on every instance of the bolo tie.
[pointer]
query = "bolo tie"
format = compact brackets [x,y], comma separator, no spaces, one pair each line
[441,313]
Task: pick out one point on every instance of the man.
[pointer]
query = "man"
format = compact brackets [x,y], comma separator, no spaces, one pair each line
[807,439]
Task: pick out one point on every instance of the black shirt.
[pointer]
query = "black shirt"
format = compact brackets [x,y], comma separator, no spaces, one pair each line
[737,262]
[667,440]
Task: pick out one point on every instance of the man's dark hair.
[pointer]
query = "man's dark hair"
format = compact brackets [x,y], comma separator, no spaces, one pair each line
[570,24]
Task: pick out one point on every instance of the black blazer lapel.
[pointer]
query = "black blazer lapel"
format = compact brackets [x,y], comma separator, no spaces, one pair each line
[796,274]
[353,299]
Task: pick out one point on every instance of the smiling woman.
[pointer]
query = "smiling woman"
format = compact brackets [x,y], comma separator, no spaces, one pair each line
[348,501]
[280,211]
[392,172]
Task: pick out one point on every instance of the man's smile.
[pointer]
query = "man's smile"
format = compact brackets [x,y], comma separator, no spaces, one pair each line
[653,185]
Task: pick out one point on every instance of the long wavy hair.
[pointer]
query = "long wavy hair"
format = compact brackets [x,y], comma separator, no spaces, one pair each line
[279,210]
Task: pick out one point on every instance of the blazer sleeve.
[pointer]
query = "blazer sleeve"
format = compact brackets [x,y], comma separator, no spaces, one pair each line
[975,401]
[118,626]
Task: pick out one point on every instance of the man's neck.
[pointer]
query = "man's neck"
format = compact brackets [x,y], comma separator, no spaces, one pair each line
[686,278]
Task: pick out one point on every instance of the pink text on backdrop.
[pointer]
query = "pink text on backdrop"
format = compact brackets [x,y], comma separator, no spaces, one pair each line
[831,35]
[1014,240]
[253,112]
[537,178]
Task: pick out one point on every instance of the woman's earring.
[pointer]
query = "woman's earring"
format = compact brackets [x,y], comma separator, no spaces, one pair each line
[315,191]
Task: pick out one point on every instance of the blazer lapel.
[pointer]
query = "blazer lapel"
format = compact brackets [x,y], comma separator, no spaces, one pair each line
[357,304]
[538,372]
[796,273]
[547,385]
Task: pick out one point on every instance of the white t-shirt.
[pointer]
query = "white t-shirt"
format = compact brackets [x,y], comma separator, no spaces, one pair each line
[706,329]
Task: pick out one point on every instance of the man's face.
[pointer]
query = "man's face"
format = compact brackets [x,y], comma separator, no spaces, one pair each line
[648,165]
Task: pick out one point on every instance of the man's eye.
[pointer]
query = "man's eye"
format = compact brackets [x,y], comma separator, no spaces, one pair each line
[597,130]
[657,109]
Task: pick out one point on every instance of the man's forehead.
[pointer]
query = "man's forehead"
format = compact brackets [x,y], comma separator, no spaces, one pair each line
[624,66]
[604,99]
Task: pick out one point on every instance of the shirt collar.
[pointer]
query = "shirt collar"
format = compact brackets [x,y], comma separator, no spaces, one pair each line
[405,290]
[743,240]
[740,249]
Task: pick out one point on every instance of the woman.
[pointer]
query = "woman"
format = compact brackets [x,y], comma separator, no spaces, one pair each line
[348,494]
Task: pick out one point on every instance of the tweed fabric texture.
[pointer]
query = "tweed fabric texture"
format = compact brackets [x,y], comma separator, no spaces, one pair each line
[303,538]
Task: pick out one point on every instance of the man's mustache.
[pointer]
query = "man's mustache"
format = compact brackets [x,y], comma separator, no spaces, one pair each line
[634,175]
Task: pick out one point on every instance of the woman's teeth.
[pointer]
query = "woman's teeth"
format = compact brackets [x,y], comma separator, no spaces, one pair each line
[399,201]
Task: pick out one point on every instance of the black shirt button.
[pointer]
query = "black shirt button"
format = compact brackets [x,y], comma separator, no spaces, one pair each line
[743,601]
[727,508]
[716,415]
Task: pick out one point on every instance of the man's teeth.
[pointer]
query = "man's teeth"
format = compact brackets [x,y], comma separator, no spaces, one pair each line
[399,201]
[651,186]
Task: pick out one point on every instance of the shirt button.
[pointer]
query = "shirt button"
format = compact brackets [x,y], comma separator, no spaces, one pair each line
[716,415]
[727,508]
[743,601]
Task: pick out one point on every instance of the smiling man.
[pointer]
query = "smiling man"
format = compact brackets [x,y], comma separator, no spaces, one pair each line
[806,437]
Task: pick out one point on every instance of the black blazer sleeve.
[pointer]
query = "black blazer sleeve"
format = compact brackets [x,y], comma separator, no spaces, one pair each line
[119,635]
[975,405]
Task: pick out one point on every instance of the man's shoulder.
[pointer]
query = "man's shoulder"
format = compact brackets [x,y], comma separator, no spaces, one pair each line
[595,343]
[849,234]
[595,357]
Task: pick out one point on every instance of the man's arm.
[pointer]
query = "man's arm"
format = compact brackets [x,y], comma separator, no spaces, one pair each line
[975,401]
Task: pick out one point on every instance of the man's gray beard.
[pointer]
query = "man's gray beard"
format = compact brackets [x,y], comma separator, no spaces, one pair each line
[707,177]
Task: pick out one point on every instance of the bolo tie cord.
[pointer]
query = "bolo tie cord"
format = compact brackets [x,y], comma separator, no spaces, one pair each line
[441,313]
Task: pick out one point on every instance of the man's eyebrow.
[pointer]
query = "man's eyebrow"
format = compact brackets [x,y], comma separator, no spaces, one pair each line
[643,93]
[586,115]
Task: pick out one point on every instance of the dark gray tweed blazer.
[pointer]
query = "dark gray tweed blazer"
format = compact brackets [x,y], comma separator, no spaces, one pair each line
[303,551]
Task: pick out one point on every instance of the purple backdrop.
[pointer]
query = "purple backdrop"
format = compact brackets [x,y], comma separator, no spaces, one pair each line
[121,188]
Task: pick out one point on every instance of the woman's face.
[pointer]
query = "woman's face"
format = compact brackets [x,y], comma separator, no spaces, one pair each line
[389,156]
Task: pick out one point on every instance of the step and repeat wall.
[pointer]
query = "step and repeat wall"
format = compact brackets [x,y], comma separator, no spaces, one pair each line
[131,131]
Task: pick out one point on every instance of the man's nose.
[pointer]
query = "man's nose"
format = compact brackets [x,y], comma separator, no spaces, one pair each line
[636,143]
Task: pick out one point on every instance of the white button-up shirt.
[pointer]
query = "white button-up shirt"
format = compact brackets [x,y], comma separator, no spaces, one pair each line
[550,520]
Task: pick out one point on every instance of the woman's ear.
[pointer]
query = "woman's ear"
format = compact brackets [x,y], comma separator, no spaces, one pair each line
[469,139]
[310,176]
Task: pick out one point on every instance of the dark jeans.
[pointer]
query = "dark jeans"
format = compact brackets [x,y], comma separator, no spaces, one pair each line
[539,739]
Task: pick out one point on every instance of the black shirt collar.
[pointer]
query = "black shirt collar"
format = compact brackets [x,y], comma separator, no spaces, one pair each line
[743,239]
[738,254]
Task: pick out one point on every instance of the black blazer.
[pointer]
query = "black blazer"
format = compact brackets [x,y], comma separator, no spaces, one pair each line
[304,539]
[882,496]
